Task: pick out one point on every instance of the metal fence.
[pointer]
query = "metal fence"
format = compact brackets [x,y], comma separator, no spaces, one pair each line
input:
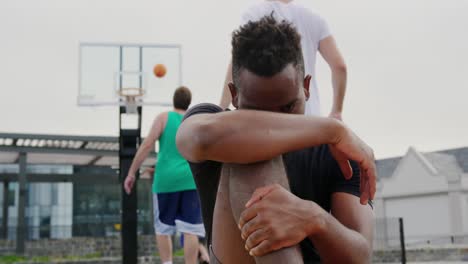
[389,235]
[419,241]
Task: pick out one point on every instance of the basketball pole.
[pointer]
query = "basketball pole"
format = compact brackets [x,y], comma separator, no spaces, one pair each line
[129,141]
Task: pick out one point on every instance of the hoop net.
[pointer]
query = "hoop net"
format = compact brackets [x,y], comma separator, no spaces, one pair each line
[131,96]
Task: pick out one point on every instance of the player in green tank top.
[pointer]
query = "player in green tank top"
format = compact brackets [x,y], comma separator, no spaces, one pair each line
[173,173]
[175,200]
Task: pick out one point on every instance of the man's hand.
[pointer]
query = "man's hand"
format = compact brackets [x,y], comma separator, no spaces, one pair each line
[351,147]
[275,219]
[128,184]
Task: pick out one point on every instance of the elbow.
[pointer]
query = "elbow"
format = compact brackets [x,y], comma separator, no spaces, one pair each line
[340,68]
[366,253]
[363,256]
[146,147]
[193,140]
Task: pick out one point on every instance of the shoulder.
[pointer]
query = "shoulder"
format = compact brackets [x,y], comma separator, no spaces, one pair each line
[160,120]
[256,7]
[255,11]
[307,12]
[312,18]
[204,108]
[162,117]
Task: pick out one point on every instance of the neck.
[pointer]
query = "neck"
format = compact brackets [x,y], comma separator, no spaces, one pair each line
[180,111]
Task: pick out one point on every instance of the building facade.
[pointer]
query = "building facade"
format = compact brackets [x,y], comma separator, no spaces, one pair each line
[429,191]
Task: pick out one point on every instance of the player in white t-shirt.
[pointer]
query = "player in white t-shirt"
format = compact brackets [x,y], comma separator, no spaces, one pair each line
[315,36]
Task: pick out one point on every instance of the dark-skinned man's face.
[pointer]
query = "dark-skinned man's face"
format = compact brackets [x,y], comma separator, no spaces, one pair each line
[284,92]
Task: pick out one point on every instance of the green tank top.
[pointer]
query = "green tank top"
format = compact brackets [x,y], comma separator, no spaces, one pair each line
[172,171]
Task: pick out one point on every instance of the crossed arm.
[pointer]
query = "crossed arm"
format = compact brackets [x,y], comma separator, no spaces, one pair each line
[261,135]
[344,235]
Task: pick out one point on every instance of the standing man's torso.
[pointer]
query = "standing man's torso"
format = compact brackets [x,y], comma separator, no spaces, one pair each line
[172,171]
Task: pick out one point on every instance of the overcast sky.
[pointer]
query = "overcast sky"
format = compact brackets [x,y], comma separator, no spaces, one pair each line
[407,61]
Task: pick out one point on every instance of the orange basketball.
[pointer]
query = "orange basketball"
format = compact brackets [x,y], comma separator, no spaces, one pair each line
[159,70]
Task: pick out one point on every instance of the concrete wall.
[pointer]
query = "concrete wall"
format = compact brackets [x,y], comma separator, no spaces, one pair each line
[442,254]
[80,246]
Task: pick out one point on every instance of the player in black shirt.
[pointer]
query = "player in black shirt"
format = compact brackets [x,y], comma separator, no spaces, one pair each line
[244,162]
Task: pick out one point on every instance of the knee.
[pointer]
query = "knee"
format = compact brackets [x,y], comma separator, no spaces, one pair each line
[270,167]
[251,176]
[190,236]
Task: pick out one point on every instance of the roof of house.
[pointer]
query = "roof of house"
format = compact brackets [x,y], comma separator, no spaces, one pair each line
[461,154]
[450,160]
[445,163]
[386,167]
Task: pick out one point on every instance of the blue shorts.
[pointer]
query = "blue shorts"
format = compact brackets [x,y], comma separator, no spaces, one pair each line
[179,211]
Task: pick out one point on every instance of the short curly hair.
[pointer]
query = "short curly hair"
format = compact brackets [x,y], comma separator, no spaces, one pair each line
[265,47]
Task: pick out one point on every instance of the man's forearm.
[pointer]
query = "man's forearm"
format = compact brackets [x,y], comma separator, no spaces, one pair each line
[339,244]
[246,136]
[330,52]
[339,76]
[139,158]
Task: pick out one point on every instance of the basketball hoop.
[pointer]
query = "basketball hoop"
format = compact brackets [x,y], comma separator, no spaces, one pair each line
[107,68]
[130,88]
[131,96]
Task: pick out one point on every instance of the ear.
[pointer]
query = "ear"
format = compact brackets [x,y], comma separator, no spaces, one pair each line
[234,94]
[307,86]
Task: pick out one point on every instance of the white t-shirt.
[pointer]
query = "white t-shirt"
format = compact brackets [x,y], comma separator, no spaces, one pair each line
[310,26]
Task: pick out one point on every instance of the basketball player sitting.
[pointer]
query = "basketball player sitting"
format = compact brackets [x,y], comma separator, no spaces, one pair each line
[277,186]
